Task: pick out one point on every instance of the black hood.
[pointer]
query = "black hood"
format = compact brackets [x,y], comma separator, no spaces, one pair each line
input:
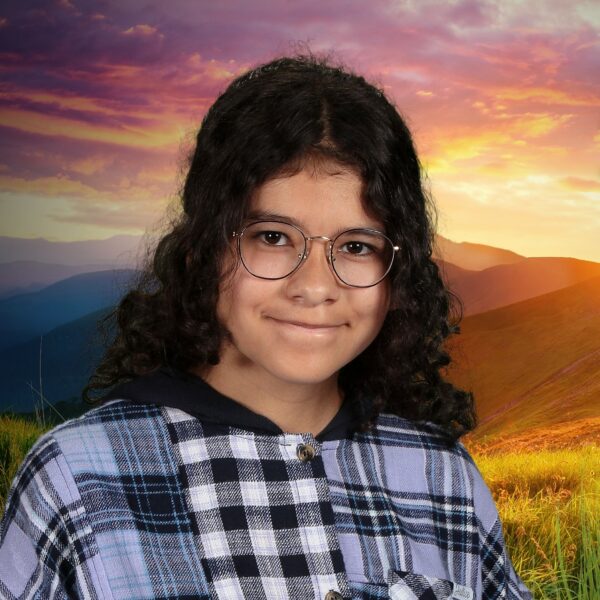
[191,394]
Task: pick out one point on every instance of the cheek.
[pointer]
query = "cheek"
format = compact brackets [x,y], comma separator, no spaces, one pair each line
[374,306]
[240,297]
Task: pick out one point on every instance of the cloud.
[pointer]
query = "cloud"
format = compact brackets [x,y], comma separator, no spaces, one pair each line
[579,184]
[89,165]
[157,135]
[556,97]
[128,207]
[120,217]
[46,186]
[533,125]
[144,30]
[98,96]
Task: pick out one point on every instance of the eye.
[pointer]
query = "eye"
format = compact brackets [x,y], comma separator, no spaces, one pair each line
[356,248]
[273,238]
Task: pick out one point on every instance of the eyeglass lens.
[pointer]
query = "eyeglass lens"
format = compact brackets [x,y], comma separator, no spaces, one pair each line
[273,250]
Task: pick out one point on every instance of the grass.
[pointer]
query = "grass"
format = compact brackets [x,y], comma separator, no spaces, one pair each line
[16,437]
[548,500]
[549,503]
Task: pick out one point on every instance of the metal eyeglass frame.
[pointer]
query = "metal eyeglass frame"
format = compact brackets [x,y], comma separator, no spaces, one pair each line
[306,251]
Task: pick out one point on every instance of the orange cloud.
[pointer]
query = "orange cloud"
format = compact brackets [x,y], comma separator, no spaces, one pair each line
[535,124]
[580,185]
[546,95]
[80,103]
[89,165]
[150,136]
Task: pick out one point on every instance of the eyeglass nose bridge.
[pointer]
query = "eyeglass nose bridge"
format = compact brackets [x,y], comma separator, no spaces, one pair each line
[307,246]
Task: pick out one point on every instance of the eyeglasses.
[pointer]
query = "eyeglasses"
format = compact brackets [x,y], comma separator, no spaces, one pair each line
[274,250]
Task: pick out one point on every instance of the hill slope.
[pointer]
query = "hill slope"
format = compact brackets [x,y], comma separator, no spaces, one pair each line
[473,257]
[535,363]
[117,251]
[27,315]
[502,285]
[27,276]
[69,355]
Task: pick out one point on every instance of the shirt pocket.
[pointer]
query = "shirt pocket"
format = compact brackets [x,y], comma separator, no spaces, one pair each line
[413,586]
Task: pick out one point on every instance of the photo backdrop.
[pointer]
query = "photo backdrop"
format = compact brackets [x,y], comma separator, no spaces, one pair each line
[100,104]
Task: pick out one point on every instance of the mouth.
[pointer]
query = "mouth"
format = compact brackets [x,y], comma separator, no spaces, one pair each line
[308,326]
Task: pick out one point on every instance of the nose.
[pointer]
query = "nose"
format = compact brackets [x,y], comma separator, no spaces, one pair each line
[314,282]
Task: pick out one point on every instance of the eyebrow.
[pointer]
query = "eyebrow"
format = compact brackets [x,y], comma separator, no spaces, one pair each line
[262,215]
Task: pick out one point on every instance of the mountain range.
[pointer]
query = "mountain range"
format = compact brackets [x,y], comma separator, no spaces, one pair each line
[56,366]
[473,257]
[529,345]
[119,251]
[25,276]
[508,283]
[25,316]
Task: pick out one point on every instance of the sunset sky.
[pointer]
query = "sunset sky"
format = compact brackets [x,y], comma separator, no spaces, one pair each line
[100,100]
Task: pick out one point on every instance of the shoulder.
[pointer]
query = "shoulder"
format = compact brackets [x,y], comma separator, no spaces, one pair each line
[44,517]
[425,447]
[98,441]
[418,456]
[115,439]
[108,446]
[47,524]
[109,414]
[394,431]
[104,425]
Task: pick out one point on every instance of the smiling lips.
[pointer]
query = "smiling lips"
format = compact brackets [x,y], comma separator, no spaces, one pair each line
[309,326]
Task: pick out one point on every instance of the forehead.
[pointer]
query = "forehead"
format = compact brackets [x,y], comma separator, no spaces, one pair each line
[327,198]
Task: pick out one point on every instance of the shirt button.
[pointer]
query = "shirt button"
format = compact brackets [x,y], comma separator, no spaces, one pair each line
[306,452]
[331,595]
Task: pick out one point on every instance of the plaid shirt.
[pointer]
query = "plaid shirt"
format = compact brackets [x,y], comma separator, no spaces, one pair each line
[143,501]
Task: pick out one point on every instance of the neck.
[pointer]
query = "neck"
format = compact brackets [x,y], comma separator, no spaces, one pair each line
[293,407]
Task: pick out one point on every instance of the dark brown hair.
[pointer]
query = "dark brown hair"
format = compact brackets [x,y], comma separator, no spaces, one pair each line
[267,121]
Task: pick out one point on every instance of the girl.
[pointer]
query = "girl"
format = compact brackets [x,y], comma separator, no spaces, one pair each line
[277,425]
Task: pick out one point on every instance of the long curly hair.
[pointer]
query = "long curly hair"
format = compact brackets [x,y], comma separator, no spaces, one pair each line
[269,121]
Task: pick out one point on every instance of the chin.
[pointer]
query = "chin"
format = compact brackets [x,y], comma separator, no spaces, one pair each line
[303,374]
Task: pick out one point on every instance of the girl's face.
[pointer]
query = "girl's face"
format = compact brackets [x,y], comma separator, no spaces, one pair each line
[302,329]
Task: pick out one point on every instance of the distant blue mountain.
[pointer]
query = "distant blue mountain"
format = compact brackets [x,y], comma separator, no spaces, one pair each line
[27,276]
[25,316]
[119,251]
[69,355]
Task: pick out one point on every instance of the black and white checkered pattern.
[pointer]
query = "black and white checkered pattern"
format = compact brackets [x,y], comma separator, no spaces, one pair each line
[263,516]
[147,502]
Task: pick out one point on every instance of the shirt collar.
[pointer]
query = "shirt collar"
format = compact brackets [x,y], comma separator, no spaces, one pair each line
[188,392]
